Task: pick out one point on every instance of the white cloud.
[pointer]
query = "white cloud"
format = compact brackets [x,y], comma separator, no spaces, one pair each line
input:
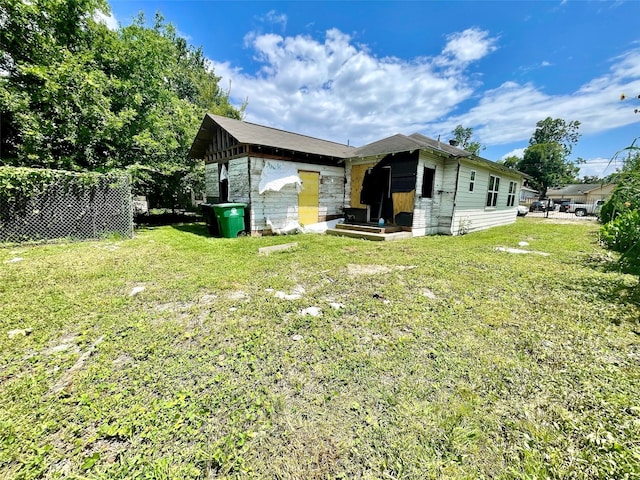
[509,113]
[469,46]
[600,167]
[517,152]
[274,18]
[339,90]
[108,19]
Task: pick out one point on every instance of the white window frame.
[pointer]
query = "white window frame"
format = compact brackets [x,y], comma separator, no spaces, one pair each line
[472,180]
[511,197]
[493,189]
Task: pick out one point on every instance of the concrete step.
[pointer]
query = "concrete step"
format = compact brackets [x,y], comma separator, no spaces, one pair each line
[374,236]
[368,228]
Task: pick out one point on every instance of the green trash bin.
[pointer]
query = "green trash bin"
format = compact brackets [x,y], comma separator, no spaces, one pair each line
[230,218]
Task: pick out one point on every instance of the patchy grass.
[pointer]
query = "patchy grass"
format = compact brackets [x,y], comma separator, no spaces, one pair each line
[434,357]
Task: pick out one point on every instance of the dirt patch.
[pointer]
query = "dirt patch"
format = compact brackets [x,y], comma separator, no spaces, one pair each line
[63,344]
[238,295]
[122,360]
[66,380]
[357,270]
[520,251]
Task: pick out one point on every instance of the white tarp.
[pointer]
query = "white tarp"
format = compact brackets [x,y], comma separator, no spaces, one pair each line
[276,175]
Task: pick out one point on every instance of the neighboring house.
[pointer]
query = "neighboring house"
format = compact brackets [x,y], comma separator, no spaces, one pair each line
[581,192]
[528,194]
[422,184]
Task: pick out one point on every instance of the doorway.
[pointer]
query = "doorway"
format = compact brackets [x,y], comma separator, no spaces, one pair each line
[309,197]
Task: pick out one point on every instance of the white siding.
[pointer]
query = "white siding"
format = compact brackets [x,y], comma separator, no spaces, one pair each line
[282,207]
[426,212]
[471,213]
[239,180]
[211,181]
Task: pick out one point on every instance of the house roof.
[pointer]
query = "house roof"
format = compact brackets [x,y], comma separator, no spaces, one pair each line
[576,189]
[416,141]
[253,134]
[402,143]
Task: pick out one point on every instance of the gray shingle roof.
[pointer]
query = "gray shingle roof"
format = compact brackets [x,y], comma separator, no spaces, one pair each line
[403,143]
[574,189]
[395,143]
[253,134]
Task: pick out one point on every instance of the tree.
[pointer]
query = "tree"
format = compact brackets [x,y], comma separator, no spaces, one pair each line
[101,100]
[626,195]
[591,179]
[546,158]
[462,137]
[511,161]
[556,130]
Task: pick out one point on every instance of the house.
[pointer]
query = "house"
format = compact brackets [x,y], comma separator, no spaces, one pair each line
[283,176]
[581,192]
[423,185]
[528,194]
[429,186]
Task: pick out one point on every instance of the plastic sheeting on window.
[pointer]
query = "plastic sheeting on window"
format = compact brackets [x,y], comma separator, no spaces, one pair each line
[276,175]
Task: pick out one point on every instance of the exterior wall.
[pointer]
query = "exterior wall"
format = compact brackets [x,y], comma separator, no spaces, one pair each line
[427,211]
[528,195]
[281,207]
[239,190]
[471,213]
[211,180]
[601,193]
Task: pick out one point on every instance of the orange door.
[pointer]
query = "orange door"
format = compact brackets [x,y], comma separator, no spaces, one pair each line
[357,175]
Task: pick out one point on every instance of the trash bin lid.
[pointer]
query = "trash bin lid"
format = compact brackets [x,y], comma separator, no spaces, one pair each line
[229,205]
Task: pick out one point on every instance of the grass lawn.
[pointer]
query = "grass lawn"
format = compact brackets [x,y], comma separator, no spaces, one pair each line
[436,357]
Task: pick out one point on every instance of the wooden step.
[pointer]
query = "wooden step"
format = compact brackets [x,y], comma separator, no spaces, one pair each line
[380,237]
[368,228]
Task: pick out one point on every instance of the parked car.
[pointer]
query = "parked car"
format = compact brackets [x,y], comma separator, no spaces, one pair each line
[538,206]
[543,205]
[522,210]
[582,209]
[565,206]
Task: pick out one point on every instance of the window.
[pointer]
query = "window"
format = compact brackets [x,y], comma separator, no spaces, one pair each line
[427,182]
[492,192]
[472,180]
[511,198]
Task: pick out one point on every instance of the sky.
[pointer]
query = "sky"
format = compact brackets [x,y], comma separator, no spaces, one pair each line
[358,71]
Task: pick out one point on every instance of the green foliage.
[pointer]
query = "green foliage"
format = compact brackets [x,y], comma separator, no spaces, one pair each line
[626,195]
[622,234]
[463,138]
[546,163]
[511,161]
[546,158]
[17,183]
[81,97]
[556,130]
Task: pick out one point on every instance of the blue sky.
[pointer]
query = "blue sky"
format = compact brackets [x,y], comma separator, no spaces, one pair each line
[359,71]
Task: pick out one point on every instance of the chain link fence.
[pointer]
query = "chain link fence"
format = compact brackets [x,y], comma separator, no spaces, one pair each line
[70,209]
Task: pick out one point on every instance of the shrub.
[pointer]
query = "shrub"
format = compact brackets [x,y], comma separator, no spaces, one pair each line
[625,198]
[623,235]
